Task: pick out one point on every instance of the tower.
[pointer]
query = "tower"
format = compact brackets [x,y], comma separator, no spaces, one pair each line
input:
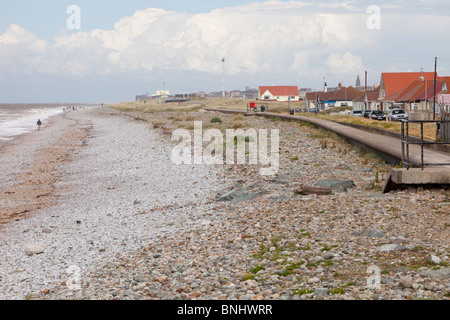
[358,81]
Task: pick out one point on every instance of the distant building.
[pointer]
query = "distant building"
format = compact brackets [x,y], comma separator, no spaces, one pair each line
[236,94]
[302,93]
[367,100]
[278,93]
[142,97]
[162,93]
[250,93]
[342,97]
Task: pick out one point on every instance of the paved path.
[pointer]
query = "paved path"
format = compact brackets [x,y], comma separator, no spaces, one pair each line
[386,145]
[389,148]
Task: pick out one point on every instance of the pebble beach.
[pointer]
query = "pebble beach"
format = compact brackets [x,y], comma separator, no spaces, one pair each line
[93,208]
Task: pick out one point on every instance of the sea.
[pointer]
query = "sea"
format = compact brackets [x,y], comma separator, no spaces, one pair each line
[17,119]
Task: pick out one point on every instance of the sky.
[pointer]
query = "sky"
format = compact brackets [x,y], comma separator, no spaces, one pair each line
[110,51]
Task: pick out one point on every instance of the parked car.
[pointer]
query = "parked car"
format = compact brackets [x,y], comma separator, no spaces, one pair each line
[366,113]
[356,113]
[394,107]
[377,115]
[397,115]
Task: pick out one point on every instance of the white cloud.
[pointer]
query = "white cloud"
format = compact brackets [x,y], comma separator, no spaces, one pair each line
[347,64]
[20,50]
[305,38]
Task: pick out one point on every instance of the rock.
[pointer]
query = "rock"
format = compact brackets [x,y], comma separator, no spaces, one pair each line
[313,280]
[400,240]
[336,185]
[34,248]
[46,230]
[308,190]
[406,282]
[440,274]
[434,259]
[369,233]
[321,291]
[328,256]
[391,247]
[240,195]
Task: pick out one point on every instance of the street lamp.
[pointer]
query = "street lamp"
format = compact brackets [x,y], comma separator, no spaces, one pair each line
[223,78]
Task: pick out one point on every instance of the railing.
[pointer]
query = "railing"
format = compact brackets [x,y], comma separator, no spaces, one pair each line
[406,141]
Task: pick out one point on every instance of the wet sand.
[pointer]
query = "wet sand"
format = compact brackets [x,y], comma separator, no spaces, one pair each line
[30,162]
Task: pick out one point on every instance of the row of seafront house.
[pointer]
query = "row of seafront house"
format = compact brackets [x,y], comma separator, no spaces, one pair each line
[412,91]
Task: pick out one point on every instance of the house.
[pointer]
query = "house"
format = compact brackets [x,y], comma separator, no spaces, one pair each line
[342,97]
[367,100]
[417,98]
[392,82]
[302,93]
[278,93]
[317,100]
[443,98]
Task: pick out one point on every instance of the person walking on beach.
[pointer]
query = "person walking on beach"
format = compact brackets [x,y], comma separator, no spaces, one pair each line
[39,123]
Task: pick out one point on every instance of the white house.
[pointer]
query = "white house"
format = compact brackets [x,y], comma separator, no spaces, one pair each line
[278,93]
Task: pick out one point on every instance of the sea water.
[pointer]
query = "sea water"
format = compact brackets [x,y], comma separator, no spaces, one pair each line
[17,119]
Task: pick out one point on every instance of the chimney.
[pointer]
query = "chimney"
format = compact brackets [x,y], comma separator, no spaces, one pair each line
[325,87]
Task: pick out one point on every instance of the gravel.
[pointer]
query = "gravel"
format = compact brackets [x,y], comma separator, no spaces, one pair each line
[119,192]
[133,226]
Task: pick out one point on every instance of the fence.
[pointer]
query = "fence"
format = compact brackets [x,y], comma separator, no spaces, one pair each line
[442,135]
[444,130]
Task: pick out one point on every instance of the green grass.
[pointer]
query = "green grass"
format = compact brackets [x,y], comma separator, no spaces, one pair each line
[216,120]
[338,290]
[301,292]
[257,269]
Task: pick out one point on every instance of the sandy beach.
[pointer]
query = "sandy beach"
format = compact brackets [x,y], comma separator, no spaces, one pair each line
[113,218]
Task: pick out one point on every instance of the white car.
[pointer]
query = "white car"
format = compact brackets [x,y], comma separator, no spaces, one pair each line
[397,115]
[356,113]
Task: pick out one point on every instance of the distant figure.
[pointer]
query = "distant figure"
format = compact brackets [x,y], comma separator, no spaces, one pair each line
[39,123]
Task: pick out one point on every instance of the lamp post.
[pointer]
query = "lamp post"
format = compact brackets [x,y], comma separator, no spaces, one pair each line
[434,95]
[223,78]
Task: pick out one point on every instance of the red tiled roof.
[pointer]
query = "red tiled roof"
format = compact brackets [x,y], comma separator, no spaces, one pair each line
[396,81]
[345,94]
[371,95]
[321,96]
[279,90]
[427,93]
[410,91]
[418,90]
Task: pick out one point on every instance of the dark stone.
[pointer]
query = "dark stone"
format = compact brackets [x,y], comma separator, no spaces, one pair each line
[240,195]
[336,185]
[369,233]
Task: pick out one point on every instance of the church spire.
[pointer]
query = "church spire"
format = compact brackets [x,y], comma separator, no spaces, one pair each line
[358,81]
